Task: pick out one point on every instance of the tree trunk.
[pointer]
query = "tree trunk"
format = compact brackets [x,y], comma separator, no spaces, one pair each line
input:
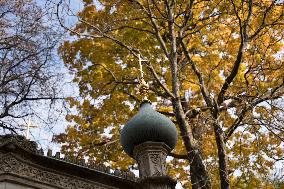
[223,165]
[198,173]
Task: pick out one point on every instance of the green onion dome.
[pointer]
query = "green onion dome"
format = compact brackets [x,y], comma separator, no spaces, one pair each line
[148,125]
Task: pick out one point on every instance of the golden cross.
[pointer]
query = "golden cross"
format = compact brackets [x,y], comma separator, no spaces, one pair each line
[140,66]
[143,86]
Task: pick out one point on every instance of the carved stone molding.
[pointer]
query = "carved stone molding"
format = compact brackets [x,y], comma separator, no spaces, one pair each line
[12,165]
[151,158]
[11,141]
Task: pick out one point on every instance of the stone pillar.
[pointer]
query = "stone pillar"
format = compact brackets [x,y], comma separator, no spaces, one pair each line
[151,159]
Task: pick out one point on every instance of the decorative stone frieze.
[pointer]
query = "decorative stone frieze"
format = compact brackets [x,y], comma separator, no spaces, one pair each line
[14,166]
[151,159]
[13,141]
[23,163]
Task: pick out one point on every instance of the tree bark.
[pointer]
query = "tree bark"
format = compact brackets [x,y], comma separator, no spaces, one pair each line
[222,155]
[198,173]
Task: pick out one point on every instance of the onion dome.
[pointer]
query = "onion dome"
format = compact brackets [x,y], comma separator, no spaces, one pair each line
[148,126]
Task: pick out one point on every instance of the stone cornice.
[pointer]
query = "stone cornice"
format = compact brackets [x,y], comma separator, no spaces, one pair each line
[16,151]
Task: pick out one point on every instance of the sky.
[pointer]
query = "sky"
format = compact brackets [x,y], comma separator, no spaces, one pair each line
[43,134]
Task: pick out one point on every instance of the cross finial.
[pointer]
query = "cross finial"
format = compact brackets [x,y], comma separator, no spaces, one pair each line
[143,85]
[140,66]
[28,126]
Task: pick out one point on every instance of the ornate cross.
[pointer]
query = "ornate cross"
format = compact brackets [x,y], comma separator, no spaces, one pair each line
[140,66]
[143,86]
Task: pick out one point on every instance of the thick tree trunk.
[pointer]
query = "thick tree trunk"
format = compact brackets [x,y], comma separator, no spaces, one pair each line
[199,176]
[223,165]
[198,173]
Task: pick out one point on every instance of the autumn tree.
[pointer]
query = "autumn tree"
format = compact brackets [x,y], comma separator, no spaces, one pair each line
[28,76]
[215,67]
